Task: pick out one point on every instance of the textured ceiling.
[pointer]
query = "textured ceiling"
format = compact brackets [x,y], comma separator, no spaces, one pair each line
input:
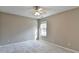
[28,10]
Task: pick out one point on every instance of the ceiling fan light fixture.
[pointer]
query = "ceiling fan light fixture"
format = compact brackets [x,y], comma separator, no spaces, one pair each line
[37,10]
[36,13]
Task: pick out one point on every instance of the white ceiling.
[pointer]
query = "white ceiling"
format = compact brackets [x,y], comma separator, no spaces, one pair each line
[28,10]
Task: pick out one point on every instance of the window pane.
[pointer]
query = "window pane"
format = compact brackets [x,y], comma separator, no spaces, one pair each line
[43,27]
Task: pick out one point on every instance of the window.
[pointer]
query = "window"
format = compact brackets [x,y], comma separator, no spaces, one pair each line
[43,29]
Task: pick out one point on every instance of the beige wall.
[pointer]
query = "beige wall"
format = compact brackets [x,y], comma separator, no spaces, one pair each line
[63,29]
[15,28]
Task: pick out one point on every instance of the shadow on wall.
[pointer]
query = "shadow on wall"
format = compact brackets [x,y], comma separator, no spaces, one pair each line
[16,28]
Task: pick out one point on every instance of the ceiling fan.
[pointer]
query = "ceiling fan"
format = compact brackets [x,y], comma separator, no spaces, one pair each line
[37,10]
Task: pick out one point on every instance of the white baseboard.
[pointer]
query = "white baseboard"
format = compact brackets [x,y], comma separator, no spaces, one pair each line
[73,51]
